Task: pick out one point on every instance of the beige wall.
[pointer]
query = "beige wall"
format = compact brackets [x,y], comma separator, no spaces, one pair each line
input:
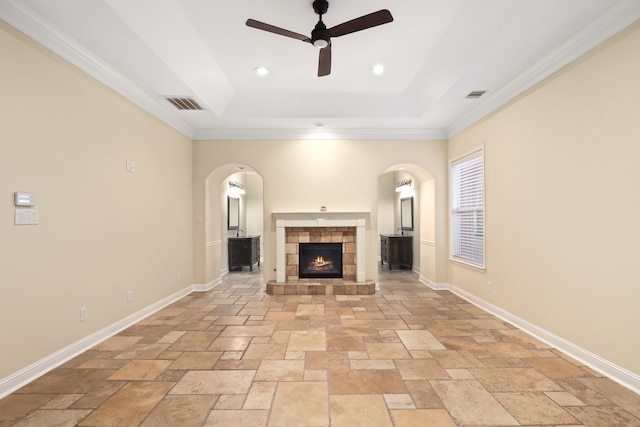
[562,202]
[386,204]
[427,238]
[304,175]
[561,198]
[103,231]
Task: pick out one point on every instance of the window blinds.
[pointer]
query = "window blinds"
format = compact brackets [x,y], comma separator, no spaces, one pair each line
[467,175]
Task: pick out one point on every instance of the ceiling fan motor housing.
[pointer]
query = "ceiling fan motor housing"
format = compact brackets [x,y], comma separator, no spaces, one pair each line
[319,36]
[320,7]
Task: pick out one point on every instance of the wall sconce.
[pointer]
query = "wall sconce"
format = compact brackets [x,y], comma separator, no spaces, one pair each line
[403,185]
[235,188]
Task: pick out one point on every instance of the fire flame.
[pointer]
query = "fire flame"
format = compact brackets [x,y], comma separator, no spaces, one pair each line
[319,261]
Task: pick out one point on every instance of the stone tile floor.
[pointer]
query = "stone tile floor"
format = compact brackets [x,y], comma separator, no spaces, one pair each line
[405,356]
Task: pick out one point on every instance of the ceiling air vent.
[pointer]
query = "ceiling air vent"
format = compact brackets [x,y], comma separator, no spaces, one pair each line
[476,94]
[184,103]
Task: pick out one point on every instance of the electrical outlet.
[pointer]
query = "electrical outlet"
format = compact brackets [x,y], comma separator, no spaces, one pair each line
[83,314]
[490,287]
[179,276]
[129,296]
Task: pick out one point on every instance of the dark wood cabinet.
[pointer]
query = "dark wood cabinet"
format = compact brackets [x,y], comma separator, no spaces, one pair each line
[396,249]
[244,251]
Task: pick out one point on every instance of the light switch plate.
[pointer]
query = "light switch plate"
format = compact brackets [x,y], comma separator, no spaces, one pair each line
[27,217]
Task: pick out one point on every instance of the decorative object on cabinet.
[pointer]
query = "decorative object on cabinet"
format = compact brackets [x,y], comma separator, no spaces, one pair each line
[244,252]
[233,213]
[396,249]
[406,213]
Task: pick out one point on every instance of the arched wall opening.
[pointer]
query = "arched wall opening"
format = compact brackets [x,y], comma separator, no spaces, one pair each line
[301,176]
[216,215]
[429,240]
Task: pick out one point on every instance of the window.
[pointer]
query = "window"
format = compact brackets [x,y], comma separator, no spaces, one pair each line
[467,209]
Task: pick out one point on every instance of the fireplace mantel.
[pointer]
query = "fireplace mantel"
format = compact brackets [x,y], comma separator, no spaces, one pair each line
[321,219]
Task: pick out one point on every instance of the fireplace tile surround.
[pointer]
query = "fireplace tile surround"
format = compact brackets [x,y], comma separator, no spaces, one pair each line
[347,228]
[344,235]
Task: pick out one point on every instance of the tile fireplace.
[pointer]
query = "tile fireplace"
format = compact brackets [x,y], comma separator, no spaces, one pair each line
[321,227]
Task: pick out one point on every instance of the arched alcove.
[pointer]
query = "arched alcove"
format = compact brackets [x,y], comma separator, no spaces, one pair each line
[429,233]
[303,176]
[216,230]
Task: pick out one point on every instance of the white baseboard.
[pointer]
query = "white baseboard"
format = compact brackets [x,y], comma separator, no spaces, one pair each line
[617,373]
[207,286]
[41,367]
[433,285]
[26,375]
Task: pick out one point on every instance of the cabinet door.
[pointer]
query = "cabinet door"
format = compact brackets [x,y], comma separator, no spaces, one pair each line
[397,250]
[239,252]
[255,250]
[405,251]
[384,249]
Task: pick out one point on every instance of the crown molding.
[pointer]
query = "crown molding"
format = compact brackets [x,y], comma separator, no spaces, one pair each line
[23,18]
[625,13]
[226,134]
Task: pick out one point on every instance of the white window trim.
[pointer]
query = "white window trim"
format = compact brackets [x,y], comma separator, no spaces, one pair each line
[460,261]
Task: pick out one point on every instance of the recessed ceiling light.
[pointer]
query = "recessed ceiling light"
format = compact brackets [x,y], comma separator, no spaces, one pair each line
[262,71]
[378,69]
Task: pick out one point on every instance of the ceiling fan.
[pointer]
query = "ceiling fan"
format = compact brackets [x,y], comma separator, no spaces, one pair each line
[321,35]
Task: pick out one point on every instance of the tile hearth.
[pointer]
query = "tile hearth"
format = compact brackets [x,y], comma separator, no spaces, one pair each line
[322,287]
[405,356]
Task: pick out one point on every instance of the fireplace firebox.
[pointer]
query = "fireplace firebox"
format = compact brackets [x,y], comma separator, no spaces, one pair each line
[320,260]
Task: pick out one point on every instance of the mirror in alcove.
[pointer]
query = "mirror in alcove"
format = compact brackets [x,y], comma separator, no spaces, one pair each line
[406,214]
[233,213]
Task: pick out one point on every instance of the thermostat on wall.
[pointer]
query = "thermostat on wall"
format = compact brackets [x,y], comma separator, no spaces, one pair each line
[24,199]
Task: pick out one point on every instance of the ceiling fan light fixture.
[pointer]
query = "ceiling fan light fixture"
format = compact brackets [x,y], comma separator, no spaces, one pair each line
[321,43]
[321,36]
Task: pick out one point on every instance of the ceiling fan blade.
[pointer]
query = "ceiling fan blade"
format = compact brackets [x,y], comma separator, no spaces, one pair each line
[324,61]
[276,30]
[366,21]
